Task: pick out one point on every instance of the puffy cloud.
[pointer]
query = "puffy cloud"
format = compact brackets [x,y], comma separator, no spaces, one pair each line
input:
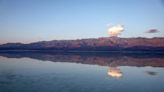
[115,30]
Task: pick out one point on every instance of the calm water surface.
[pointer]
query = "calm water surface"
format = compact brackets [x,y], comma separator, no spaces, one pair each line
[42,72]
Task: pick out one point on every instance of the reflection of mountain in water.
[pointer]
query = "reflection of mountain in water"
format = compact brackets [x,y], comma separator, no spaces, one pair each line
[112,60]
[104,59]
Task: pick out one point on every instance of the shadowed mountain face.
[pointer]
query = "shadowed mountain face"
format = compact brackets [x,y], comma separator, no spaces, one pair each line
[100,44]
[103,59]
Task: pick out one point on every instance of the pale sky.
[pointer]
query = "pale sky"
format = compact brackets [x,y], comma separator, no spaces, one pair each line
[37,20]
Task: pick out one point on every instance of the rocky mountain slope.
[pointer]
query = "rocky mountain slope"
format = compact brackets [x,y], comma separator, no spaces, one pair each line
[99,44]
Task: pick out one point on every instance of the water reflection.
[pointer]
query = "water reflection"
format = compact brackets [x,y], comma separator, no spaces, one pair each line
[112,60]
[102,59]
[81,72]
[152,73]
[115,72]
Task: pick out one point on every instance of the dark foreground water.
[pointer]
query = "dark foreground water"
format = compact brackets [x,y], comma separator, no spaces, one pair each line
[51,72]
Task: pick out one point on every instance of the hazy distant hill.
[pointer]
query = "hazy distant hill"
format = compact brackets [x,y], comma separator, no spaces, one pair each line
[99,44]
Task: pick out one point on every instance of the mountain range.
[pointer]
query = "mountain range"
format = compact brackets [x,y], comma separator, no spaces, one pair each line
[92,44]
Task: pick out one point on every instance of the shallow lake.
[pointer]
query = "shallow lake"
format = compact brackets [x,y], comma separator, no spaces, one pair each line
[75,72]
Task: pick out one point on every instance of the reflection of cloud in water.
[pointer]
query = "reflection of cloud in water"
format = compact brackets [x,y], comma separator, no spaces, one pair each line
[115,72]
[151,73]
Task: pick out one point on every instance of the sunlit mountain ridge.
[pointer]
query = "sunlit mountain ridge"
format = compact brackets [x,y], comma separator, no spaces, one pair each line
[92,44]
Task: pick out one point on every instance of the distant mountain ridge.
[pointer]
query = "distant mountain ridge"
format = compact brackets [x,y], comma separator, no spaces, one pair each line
[92,44]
